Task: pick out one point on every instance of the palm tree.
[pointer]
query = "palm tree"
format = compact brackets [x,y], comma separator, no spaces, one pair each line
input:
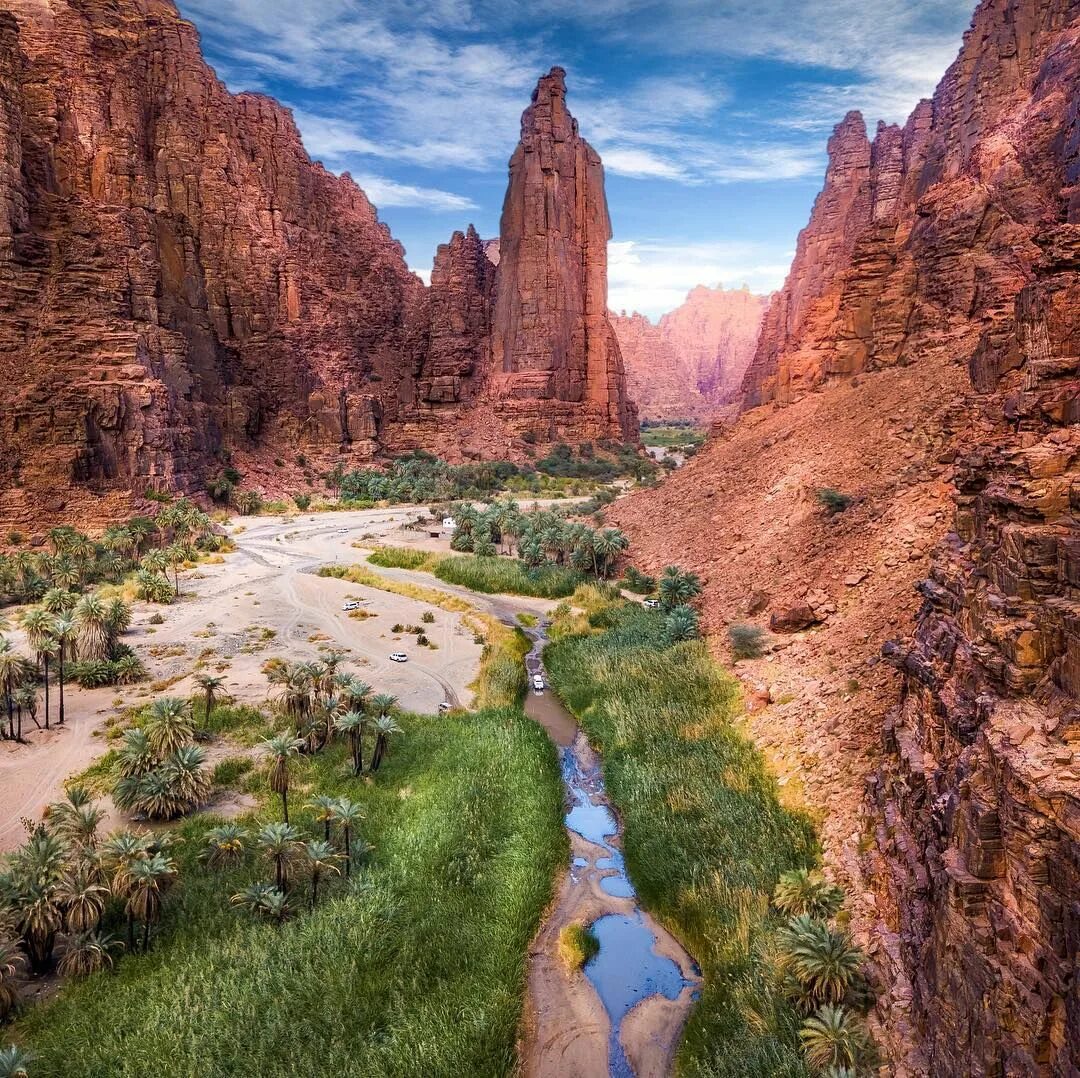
[824,962]
[176,555]
[121,851]
[26,700]
[92,618]
[169,726]
[833,1038]
[59,601]
[321,857]
[278,841]
[352,723]
[189,782]
[225,846]
[83,900]
[678,586]
[348,814]
[65,572]
[263,899]
[10,961]
[385,727]
[87,952]
[34,891]
[37,623]
[136,755]
[324,808]
[211,685]
[278,750]
[14,1062]
[149,879]
[802,891]
[681,624]
[63,633]
[117,620]
[354,691]
[14,671]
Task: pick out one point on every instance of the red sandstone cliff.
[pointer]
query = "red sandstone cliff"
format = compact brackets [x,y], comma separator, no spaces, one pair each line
[933,306]
[179,281]
[691,363]
[555,353]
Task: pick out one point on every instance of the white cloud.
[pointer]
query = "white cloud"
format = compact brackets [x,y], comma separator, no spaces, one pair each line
[384,192]
[654,277]
[639,163]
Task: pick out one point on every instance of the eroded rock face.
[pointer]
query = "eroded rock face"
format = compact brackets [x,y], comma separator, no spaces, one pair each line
[178,280]
[690,365]
[921,239]
[552,339]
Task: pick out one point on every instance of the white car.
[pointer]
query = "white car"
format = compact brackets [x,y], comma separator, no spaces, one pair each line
[352,604]
[444,706]
[652,604]
[538,683]
[448,524]
[399,657]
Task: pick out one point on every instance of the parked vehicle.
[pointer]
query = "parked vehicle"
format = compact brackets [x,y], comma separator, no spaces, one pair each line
[652,604]
[352,604]
[538,683]
[448,524]
[399,657]
[444,706]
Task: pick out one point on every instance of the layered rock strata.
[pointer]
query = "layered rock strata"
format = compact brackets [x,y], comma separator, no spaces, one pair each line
[691,363]
[179,282]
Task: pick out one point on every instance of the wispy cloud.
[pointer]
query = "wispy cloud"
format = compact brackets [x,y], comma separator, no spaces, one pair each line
[384,192]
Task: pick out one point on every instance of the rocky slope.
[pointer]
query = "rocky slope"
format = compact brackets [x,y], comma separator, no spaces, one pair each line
[933,306]
[690,365]
[179,282]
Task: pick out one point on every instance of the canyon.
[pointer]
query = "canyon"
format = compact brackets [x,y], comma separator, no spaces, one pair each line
[182,288]
[923,358]
[691,363]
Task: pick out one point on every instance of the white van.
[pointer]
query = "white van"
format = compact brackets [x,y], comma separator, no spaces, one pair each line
[448,524]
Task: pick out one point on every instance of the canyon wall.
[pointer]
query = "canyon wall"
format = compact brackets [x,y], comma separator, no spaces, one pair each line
[925,350]
[181,285]
[690,365]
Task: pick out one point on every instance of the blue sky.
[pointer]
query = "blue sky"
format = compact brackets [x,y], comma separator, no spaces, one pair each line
[711,115]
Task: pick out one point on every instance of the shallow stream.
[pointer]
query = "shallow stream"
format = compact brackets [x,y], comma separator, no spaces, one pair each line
[629,967]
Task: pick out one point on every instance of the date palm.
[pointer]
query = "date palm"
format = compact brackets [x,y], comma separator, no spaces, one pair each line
[92,619]
[323,806]
[824,962]
[263,900]
[169,726]
[678,587]
[149,879]
[225,846]
[176,555]
[188,779]
[59,601]
[136,755]
[83,899]
[278,842]
[347,813]
[14,672]
[14,1062]
[120,852]
[352,724]
[86,953]
[33,890]
[65,572]
[211,685]
[37,624]
[11,961]
[831,1037]
[64,634]
[320,858]
[385,728]
[803,891]
[279,752]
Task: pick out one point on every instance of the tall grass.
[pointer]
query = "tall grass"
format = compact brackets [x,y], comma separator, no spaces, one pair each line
[503,679]
[359,574]
[705,834]
[416,968]
[511,576]
[508,576]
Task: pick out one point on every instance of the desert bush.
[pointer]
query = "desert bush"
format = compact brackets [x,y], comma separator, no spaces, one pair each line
[833,501]
[747,641]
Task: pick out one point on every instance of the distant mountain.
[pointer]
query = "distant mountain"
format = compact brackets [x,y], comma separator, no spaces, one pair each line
[691,363]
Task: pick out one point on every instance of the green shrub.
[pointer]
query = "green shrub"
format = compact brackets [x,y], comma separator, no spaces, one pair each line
[577,944]
[427,617]
[229,770]
[302,501]
[833,501]
[747,641]
[399,557]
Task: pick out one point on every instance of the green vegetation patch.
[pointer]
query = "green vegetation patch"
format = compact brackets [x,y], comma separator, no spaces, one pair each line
[706,837]
[414,967]
[577,944]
